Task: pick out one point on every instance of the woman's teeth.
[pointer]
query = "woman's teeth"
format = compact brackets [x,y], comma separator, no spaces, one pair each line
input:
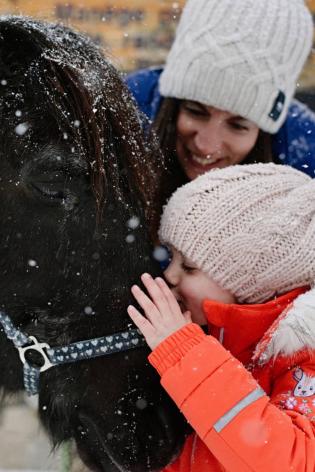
[204,161]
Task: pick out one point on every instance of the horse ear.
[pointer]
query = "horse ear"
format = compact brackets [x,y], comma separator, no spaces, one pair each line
[298,374]
[17,51]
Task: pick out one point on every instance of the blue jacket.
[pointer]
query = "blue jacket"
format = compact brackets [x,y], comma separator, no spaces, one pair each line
[294,144]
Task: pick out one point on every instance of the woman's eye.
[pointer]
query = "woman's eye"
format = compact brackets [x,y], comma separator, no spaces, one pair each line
[238,126]
[193,110]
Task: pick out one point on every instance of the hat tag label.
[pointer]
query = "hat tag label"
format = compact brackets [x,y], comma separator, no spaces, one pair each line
[277,106]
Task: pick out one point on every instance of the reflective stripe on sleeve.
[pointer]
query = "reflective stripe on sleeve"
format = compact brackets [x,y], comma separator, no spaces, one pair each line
[230,415]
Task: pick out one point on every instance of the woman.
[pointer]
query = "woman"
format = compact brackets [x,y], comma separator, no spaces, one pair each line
[225,94]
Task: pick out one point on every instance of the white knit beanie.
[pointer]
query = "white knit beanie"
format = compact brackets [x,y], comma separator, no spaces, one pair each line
[251,228]
[242,56]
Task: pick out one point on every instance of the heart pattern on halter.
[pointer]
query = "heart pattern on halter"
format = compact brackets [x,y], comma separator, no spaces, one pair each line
[78,351]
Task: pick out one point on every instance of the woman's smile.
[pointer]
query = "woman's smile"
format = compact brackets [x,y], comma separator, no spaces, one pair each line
[204,162]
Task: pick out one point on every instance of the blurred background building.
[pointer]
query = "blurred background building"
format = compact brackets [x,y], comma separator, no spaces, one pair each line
[136,33]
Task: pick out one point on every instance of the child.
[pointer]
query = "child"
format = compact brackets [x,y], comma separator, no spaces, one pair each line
[243,262]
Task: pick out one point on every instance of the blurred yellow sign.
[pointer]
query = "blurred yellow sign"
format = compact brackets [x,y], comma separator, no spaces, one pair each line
[135,33]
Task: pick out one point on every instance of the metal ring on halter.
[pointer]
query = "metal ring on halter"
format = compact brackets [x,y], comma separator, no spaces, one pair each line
[38,347]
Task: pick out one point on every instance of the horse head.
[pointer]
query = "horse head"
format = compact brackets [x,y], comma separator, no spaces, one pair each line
[78,186]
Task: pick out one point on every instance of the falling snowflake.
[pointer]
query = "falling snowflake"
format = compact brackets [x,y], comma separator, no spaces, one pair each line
[133,222]
[32,263]
[160,253]
[21,129]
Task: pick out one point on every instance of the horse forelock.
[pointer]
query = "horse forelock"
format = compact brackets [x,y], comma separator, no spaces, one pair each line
[83,92]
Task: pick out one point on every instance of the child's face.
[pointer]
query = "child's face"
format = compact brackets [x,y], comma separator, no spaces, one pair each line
[191,287]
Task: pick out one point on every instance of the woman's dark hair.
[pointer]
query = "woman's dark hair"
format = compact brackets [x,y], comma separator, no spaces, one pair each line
[165,128]
[261,152]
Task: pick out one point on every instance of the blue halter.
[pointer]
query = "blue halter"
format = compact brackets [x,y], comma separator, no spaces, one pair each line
[52,356]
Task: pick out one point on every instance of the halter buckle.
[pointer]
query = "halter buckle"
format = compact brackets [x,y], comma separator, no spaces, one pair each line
[39,347]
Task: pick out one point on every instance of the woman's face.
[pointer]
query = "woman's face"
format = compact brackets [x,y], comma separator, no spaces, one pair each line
[209,138]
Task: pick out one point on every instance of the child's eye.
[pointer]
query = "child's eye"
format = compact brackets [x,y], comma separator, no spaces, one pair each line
[187,268]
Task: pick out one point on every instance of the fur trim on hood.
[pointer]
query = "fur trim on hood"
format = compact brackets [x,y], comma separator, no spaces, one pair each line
[294,332]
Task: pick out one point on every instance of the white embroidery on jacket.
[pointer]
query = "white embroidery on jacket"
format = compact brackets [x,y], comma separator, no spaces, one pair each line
[305,386]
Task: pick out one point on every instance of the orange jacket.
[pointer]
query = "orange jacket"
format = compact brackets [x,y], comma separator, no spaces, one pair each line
[259,418]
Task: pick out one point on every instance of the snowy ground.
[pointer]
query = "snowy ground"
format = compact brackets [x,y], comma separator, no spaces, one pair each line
[23,444]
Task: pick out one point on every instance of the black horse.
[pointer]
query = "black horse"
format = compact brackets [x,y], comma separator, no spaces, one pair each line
[77,184]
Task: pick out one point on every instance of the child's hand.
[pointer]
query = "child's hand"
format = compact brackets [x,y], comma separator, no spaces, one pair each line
[163,314]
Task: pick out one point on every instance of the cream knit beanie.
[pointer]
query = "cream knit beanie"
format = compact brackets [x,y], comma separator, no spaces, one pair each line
[251,228]
[242,56]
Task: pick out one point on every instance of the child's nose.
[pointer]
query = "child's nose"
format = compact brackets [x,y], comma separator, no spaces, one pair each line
[171,276]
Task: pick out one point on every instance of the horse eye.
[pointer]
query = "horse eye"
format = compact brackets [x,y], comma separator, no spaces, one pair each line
[50,191]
